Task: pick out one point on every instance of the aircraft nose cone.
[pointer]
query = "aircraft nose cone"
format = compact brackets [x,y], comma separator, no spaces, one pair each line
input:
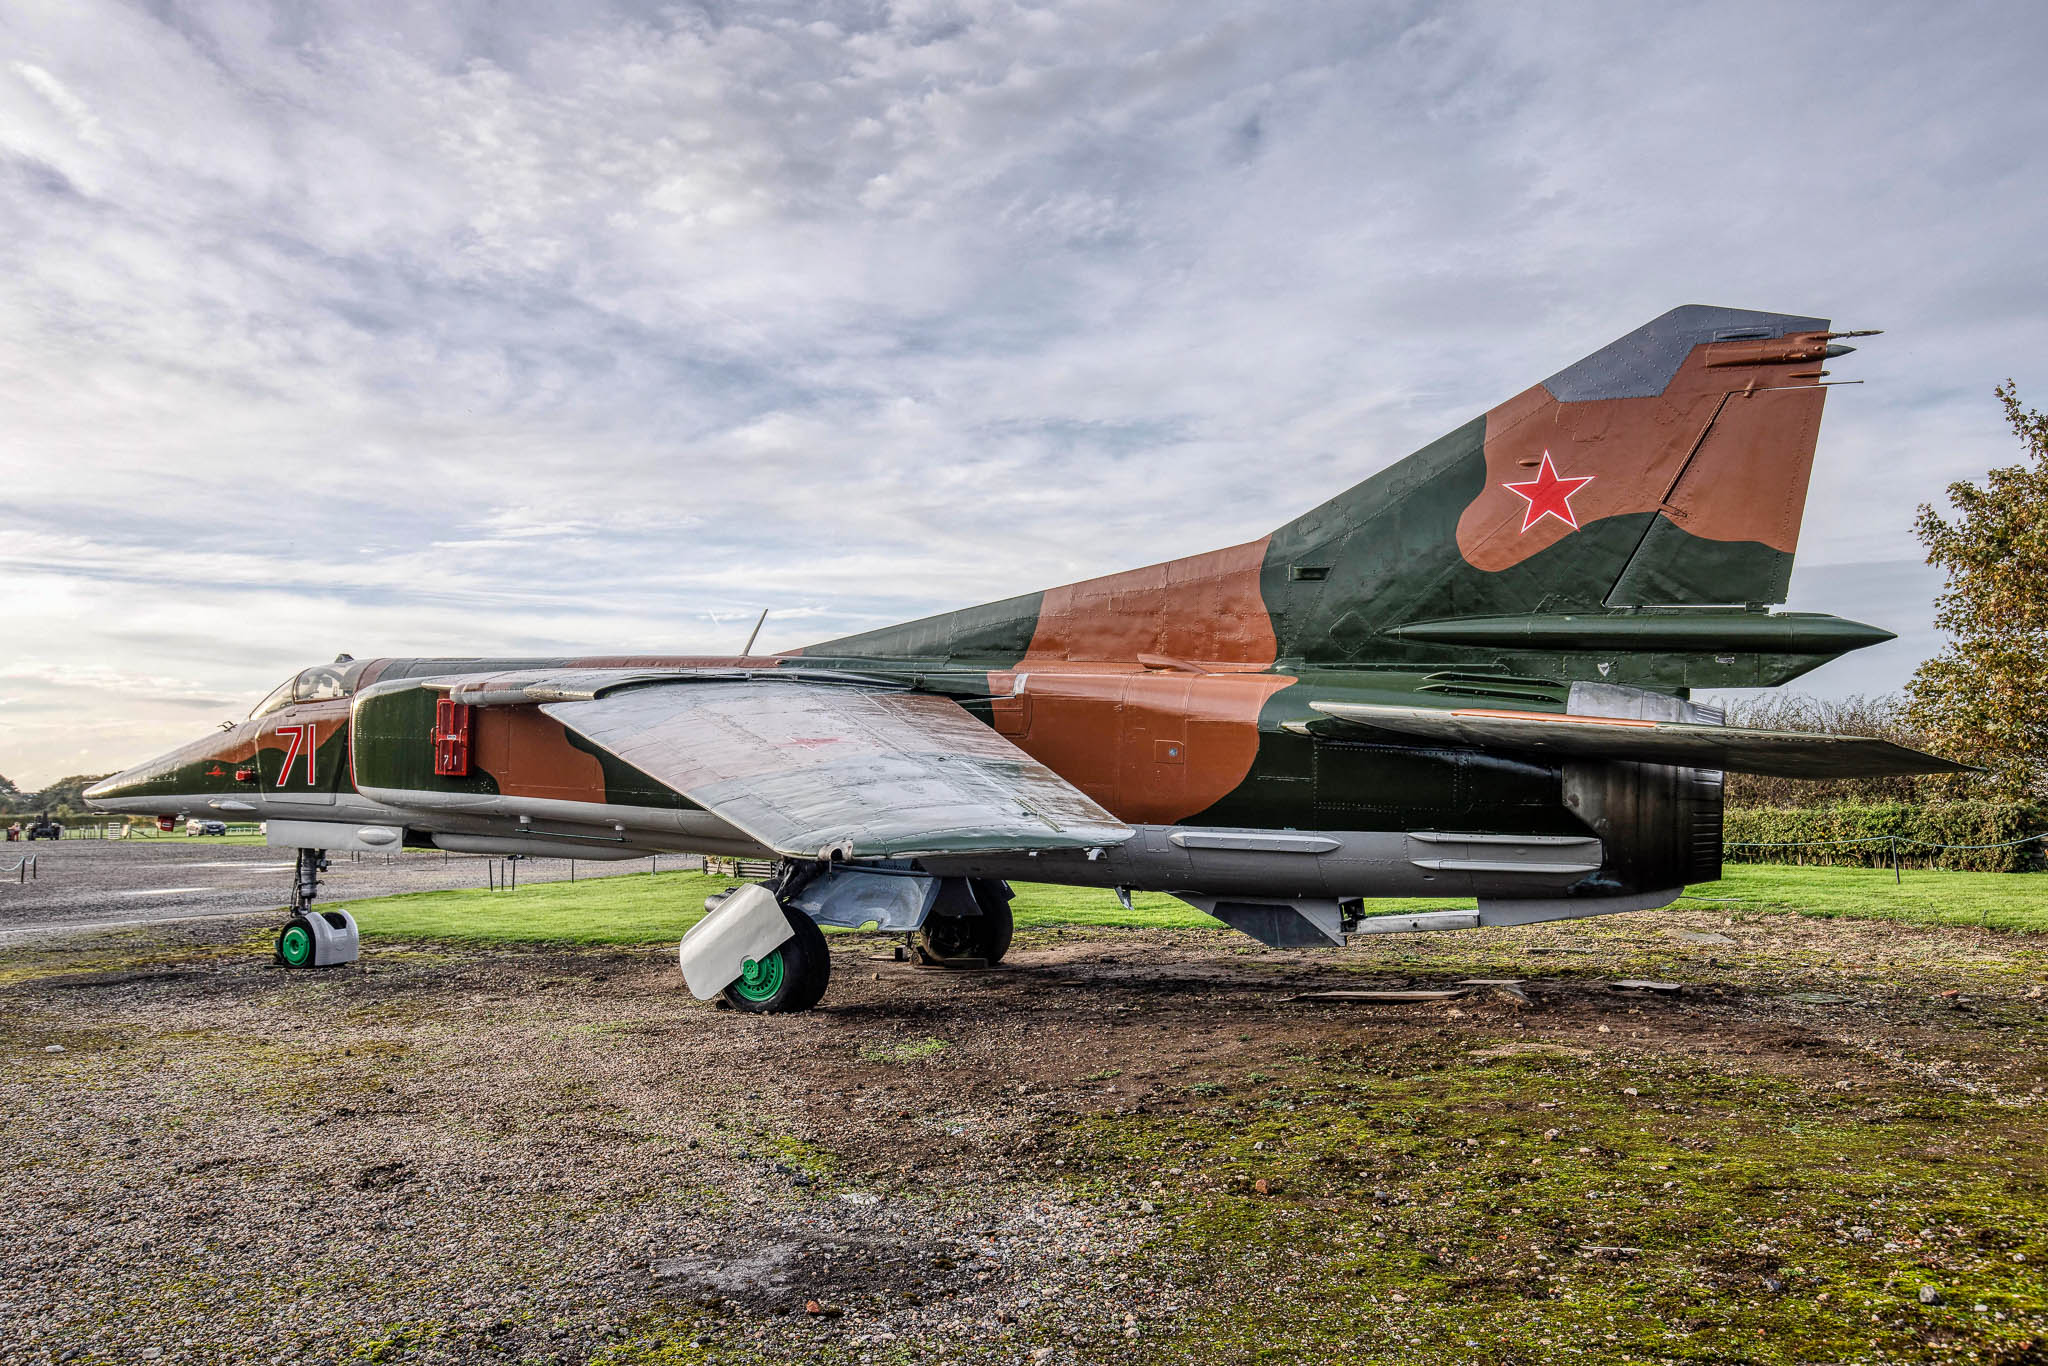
[111,788]
[132,788]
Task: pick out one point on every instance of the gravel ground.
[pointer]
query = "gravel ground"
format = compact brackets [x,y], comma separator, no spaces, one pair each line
[554,1155]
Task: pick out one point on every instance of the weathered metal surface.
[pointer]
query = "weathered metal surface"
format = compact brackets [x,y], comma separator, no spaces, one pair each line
[895,901]
[813,771]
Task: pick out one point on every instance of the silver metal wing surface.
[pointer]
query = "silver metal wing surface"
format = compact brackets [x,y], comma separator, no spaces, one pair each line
[813,768]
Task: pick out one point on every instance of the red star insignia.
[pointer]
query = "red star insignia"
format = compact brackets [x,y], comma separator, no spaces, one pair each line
[1549,495]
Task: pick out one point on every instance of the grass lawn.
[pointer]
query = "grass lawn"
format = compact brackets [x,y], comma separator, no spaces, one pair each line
[652,908]
[656,907]
[2001,901]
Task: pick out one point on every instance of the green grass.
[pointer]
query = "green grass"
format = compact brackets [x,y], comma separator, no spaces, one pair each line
[630,908]
[2001,901]
[653,908]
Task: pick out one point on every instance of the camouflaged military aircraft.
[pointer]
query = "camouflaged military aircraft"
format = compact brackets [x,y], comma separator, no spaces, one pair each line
[1467,676]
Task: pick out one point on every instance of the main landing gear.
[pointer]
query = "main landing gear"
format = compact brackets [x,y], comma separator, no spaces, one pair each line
[790,977]
[315,939]
[759,948]
[972,935]
[755,952]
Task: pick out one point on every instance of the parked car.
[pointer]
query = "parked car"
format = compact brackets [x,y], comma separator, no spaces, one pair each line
[196,826]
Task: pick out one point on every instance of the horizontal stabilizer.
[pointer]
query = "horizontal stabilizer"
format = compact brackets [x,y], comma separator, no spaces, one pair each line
[1561,735]
[1790,633]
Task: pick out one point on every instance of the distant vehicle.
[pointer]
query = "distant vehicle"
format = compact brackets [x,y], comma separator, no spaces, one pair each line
[43,828]
[199,827]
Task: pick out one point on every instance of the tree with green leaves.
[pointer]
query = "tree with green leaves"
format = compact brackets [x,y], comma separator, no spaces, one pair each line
[1984,698]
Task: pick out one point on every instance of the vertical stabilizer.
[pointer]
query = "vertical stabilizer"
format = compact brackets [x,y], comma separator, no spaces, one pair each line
[1667,468]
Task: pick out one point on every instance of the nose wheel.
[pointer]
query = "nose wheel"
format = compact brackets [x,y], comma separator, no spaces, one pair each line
[315,939]
[295,943]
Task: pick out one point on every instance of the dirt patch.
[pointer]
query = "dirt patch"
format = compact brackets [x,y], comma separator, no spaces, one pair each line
[1123,1145]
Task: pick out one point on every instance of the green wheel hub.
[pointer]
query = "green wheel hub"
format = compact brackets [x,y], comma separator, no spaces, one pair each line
[760,979]
[295,946]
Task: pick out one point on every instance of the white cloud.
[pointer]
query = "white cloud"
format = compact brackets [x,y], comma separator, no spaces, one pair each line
[481,327]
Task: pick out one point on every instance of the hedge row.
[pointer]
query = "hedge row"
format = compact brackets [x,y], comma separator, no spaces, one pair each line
[1916,826]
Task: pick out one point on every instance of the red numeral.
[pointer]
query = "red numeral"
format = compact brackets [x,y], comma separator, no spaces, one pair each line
[301,742]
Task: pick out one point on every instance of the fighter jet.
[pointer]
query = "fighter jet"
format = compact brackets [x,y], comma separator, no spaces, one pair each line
[1468,676]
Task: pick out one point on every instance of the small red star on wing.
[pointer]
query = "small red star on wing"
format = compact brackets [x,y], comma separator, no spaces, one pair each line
[1549,494]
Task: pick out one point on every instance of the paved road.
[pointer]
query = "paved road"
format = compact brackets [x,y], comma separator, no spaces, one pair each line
[101,884]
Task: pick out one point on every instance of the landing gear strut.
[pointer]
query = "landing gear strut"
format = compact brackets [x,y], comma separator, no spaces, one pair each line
[315,939]
[306,881]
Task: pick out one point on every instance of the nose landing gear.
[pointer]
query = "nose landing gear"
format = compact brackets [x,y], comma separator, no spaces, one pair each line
[315,939]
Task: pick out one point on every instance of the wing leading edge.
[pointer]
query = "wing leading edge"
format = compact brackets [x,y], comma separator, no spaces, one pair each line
[809,769]
[1736,749]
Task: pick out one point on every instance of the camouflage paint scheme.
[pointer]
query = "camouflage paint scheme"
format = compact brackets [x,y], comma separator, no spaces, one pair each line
[1626,522]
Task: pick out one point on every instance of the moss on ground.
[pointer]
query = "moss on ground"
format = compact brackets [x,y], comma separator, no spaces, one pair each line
[1510,1204]
[910,1050]
[697,1341]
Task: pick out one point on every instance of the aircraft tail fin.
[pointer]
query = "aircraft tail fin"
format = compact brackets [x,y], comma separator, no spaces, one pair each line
[1663,474]
[1666,469]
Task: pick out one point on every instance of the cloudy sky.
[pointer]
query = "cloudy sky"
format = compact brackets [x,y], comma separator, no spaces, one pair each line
[460,327]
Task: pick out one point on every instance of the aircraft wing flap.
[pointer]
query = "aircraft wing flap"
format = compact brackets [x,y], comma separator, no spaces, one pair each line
[811,768]
[1561,735]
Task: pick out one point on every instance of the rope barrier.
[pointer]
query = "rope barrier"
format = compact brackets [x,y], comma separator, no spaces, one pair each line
[1893,845]
[1876,839]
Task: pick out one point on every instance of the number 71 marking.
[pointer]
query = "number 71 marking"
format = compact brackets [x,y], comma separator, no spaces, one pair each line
[302,741]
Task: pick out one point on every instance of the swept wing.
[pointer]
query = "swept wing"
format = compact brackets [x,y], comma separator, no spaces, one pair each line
[810,768]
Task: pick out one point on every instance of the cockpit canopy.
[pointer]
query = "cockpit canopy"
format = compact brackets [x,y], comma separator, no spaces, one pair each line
[321,683]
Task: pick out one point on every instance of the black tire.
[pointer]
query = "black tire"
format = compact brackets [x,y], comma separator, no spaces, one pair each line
[803,965]
[969,940]
[296,944]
